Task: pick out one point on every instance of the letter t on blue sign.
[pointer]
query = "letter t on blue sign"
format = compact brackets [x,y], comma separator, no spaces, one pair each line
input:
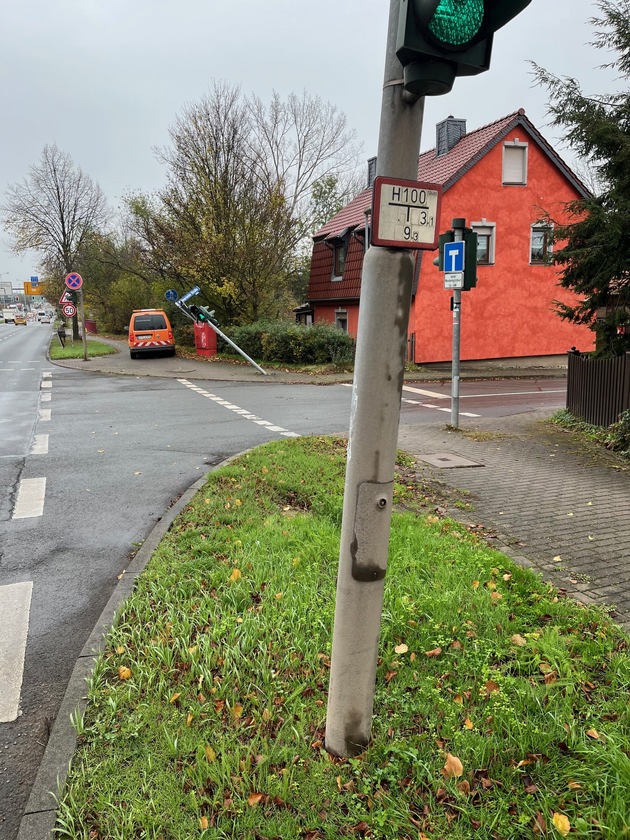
[454,256]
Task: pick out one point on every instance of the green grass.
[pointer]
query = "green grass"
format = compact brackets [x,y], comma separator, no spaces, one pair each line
[206,712]
[74,350]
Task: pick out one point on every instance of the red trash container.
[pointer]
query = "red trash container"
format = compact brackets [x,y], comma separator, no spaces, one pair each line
[205,340]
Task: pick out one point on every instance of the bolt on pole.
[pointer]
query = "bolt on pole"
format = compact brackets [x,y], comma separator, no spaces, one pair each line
[379,371]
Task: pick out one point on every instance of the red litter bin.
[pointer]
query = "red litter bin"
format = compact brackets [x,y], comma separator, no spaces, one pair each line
[205,340]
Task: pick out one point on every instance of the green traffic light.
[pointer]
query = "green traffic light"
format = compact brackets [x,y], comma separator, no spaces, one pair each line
[457,22]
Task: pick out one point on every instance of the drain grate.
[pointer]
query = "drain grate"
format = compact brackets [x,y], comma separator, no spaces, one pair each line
[448,461]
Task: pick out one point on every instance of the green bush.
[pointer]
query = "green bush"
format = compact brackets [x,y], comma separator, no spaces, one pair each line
[618,437]
[290,343]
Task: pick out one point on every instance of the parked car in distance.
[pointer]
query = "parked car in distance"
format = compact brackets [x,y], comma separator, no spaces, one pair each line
[19,318]
[150,332]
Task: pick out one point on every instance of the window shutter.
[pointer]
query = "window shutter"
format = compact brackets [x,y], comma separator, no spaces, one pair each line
[514,164]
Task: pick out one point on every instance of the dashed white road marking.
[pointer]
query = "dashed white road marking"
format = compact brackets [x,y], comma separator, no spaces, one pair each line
[44,414]
[15,605]
[40,445]
[242,412]
[30,498]
[46,397]
[426,405]
[46,383]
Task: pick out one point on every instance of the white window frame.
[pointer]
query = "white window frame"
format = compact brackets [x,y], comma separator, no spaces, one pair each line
[488,229]
[341,319]
[540,226]
[514,171]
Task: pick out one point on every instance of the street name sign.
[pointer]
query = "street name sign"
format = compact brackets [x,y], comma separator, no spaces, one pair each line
[405,214]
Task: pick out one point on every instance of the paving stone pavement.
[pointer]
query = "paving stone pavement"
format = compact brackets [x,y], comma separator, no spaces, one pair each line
[557,506]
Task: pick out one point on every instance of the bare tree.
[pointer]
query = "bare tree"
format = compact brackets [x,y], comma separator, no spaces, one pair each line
[54,209]
[238,200]
[298,143]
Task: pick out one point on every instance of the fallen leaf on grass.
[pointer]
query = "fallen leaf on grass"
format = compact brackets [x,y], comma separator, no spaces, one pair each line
[236,574]
[452,767]
[561,823]
[518,640]
[210,753]
[175,696]
[254,799]
[469,724]
[203,823]
[491,686]
[435,652]
[124,673]
[593,733]
[574,785]
[401,648]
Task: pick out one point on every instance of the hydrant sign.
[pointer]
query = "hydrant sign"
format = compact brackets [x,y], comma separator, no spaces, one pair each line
[405,214]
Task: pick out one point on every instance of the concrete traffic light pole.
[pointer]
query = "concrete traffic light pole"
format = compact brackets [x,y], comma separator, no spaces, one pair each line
[380,360]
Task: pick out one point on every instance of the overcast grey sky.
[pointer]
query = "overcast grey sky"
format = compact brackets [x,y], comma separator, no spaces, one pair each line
[104,79]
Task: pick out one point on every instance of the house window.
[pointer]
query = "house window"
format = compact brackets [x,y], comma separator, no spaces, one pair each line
[515,163]
[485,241]
[341,249]
[540,244]
[341,320]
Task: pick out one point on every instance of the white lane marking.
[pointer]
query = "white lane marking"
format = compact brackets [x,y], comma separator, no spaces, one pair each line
[45,414]
[40,445]
[45,397]
[47,374]
[15,605]
[46,384]
[423,393]
[242,412]
[30,498]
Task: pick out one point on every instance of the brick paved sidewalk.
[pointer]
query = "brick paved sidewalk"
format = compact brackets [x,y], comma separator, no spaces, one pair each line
[546,497]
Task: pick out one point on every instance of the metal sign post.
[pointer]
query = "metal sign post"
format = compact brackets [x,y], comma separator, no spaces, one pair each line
[455,257]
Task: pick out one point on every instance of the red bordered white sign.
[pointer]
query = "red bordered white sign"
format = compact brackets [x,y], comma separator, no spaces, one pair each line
[405,214]
[69,310]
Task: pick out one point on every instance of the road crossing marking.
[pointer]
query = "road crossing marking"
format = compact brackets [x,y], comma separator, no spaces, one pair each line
[242,412]
[30,498]
[40,445]
[46,383]
[46,397]
[15,605]
[425,405]
[44,415]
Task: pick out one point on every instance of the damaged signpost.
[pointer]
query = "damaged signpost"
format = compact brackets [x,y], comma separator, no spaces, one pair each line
[429,44]
[203,315]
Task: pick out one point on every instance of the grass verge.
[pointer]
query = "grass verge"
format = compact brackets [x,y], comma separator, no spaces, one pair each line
[501,709]
[74,350]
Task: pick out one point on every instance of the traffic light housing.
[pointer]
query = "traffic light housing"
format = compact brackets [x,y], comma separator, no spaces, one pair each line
[438,40]
[203,315]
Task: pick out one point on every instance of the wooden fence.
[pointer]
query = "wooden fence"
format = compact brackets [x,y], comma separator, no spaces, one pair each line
[598,390]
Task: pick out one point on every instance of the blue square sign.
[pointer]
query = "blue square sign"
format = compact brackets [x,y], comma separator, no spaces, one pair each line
[453,256]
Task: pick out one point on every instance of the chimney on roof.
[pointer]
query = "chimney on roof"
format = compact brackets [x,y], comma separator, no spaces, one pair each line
[448,133]
[371,171]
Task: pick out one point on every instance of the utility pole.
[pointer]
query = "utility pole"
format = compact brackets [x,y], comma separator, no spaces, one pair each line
[379,369]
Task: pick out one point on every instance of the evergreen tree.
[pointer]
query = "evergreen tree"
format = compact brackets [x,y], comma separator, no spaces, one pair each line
[595,257]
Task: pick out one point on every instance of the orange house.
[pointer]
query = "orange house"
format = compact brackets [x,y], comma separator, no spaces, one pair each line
[510,186]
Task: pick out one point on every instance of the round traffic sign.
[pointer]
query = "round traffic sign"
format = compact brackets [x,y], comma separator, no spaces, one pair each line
[171,294]
[69,310]
[74,280]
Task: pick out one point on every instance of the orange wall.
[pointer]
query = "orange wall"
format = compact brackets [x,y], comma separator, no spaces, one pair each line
[328,315]
[510,312]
